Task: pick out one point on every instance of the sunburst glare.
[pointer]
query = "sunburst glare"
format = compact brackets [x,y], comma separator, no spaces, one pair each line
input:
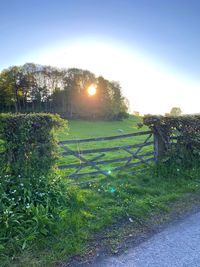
[92,90]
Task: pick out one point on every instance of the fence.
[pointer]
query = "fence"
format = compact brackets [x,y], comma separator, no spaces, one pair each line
[92,157]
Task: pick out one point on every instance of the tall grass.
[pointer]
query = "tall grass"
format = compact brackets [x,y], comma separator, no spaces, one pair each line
[39,236]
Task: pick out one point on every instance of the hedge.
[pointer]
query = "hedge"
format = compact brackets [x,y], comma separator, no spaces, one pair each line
[28,144]
[33,196]
[179,133]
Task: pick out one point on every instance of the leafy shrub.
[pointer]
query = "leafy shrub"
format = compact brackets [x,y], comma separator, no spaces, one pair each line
[29,147]
[122,115]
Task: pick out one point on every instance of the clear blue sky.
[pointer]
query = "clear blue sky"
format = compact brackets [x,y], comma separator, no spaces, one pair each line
[165,30]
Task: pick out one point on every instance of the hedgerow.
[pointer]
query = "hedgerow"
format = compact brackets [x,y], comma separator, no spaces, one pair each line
[180,135]
[35,204]
[29,146]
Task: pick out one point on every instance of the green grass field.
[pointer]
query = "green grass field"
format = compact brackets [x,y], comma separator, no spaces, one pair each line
[86,129]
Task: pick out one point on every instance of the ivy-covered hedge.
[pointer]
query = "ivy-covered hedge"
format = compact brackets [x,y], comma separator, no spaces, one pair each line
[179,133]
[28,146]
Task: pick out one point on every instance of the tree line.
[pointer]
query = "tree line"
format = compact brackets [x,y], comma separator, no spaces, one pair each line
[39,88]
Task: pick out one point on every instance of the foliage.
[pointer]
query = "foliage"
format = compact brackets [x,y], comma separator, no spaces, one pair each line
[59,228]
[35,202]
[180,134]
[122,115]
[34,211]
[25,209]
[29,147]
[38,88]
[175,111]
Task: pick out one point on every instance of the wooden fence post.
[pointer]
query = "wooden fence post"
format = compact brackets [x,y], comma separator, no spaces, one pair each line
[159,146]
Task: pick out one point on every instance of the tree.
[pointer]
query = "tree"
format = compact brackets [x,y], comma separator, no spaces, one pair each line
[40,88]
[7,97]
[10,87]
[76,82]
[175,111]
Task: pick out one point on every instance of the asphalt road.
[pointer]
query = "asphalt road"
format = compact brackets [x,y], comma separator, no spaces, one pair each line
[178,245]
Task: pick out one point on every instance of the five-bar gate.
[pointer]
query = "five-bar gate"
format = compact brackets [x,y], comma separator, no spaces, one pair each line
[108,160]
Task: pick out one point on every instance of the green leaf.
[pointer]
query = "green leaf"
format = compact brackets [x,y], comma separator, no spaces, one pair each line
[24,245]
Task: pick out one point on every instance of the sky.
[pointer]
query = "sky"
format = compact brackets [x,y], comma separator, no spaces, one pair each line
[150,46]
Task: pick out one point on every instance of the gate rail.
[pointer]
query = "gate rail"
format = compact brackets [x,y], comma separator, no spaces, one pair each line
[101,152]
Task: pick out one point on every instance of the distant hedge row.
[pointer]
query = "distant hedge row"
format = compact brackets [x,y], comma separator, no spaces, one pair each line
[28,146]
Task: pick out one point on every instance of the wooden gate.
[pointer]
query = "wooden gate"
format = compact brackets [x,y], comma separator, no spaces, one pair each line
[131,155]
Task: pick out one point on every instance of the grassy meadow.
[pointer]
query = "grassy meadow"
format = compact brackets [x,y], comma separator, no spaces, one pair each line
[84,129]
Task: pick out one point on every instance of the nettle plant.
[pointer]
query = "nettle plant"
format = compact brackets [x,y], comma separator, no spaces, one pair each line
[180,136]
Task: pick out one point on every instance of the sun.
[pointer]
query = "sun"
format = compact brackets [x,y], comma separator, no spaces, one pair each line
[92,90]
